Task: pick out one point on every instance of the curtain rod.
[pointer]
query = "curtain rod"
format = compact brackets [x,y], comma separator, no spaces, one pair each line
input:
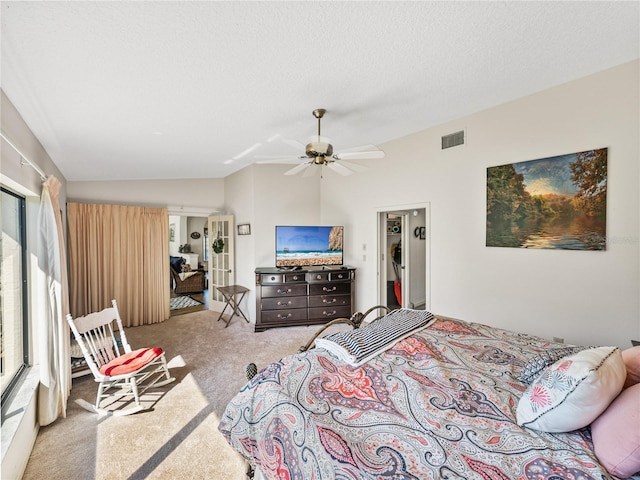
[24,160]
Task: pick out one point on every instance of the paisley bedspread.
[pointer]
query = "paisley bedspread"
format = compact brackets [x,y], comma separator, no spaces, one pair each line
[440,404]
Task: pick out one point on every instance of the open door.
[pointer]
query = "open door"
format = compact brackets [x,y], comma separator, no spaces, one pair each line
[403,257]
[221,258]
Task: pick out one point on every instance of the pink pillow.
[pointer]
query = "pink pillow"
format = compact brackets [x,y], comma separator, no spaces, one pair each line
[616,434]
[631,357]
[130,362]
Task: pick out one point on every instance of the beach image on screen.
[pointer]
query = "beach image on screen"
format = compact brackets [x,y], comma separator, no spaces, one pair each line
[300,246]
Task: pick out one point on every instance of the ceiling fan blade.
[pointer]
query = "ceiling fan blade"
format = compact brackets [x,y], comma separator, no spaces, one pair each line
[339,168]
[361,148]
[267,159]
[358,155]
[273,157]
[297,168]
[310,172]
[295,144]
[354,166]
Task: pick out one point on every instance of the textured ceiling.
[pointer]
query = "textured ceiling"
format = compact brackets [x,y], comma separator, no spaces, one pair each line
[149,90]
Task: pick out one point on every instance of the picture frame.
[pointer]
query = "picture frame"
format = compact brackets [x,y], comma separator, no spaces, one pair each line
[244,229]
[555,202]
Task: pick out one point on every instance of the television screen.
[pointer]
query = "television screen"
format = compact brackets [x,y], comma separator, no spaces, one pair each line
[305,246]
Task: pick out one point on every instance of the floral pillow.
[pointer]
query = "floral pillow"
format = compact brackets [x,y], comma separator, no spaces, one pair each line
[574,391]
[536,364]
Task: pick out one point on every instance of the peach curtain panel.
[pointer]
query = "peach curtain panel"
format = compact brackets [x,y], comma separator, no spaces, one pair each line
[120,252]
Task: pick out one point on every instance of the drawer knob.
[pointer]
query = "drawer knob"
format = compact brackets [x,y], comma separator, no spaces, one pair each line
[333,300]
[280,304]
[284,316]
[329,314]
[327,289]
[284,292]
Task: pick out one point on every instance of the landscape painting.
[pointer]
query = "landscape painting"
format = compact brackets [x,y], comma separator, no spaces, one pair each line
[554,203]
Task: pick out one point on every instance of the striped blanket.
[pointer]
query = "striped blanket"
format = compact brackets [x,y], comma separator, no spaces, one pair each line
[358,346]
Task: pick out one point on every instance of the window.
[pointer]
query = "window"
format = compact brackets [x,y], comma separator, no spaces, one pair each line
[14,344]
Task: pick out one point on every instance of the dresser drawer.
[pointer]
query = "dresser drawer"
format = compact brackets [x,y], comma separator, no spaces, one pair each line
[340,275]
[273,278]
[295,277]
[291,290]
[280,316]
[329,312]
[330,276]
[330,288]
[318,276]
[269,278]
[279,303]
[330,300]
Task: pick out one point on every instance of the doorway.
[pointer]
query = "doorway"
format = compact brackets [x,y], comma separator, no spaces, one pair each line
[403,257]
[188,239]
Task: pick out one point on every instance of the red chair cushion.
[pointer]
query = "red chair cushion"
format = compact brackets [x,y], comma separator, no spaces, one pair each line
[130,362]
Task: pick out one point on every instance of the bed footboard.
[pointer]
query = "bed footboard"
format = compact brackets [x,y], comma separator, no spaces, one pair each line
[355,321]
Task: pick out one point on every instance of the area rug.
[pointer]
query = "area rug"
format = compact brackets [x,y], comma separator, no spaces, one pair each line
[183,301]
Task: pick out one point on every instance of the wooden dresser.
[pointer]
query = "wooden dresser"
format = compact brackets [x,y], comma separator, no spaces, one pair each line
[309,296]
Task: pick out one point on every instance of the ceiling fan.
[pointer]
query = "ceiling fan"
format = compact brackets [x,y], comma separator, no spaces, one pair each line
[319,151]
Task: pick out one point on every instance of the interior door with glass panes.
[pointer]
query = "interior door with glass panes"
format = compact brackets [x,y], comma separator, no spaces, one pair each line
[221,258]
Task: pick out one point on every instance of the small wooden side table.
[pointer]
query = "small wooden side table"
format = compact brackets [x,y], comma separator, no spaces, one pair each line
[229,293]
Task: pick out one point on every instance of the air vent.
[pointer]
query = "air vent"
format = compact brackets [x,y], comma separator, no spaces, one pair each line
[453,140]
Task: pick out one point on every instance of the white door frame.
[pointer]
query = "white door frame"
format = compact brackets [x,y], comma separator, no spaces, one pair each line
[383,250]
[221,265]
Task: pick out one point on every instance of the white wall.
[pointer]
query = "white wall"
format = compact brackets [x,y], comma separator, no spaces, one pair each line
[585,297]
[196,224]
[264,197]
[240,202]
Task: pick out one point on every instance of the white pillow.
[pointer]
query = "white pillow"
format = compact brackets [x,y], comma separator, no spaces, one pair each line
[574,391]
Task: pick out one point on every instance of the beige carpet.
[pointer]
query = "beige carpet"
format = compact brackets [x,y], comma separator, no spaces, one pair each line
[178,438]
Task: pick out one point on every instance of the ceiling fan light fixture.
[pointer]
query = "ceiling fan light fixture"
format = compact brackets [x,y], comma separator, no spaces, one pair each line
[316,149]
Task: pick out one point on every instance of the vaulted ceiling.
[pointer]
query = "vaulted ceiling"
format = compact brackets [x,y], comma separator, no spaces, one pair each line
[185,89]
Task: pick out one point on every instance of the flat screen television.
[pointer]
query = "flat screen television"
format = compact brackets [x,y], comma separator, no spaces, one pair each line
[308,246]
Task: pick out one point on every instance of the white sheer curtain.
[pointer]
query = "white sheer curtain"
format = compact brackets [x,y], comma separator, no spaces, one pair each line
[51,326]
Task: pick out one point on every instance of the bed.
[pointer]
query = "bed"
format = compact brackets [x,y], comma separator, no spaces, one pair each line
[444,399]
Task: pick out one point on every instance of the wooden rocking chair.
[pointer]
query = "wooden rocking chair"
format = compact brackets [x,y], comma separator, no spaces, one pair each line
[113,364]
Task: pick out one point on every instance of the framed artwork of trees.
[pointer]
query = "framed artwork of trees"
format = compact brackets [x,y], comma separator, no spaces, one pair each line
[556,203]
